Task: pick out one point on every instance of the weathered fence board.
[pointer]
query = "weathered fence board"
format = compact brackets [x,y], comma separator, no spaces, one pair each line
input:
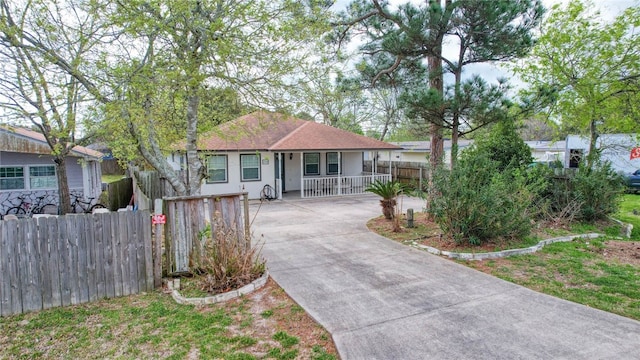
[119,193]
[189,218]
[59,261]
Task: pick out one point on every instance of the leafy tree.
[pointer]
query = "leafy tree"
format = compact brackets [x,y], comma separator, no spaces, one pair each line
[245,45]
[538,128]
[333,99]
[167,54]
[592,67]
[504,146]
[40,88]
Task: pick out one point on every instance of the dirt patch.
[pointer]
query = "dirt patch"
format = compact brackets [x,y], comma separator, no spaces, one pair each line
[426,232]
[625,252]
[268,310]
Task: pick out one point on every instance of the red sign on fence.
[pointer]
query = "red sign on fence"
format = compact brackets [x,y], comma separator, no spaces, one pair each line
[158,219]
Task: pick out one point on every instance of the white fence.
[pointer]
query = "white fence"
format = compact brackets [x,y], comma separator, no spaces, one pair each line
[339,185]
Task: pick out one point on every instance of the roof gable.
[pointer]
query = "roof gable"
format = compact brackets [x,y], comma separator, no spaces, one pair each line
[21,140]
[267,131]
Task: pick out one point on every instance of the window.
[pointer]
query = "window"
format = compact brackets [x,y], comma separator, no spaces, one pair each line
[332,163]
[312,163]
[11,178]
[250,167]
[575,157]
[217,169]
[42,177]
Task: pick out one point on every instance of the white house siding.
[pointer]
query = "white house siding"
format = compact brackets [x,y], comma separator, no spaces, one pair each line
[351,166]
[616,148]
[234,183]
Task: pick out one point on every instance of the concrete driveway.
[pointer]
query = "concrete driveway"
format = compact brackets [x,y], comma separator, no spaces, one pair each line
[382,300]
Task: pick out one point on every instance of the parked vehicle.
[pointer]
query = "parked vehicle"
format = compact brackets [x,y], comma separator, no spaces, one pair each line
[633,181]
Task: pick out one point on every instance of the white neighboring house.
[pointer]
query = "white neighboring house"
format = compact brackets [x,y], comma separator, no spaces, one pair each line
[547,151]
[417,151]
[27,169]
[615,148]
[267,154]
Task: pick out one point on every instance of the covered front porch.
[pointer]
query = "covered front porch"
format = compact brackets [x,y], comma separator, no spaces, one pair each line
[315,174]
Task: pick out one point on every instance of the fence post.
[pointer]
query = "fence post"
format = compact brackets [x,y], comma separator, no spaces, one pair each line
[247,225]
[157,247]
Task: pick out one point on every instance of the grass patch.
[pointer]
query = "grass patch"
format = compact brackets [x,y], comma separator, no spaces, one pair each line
[630,203]
[576,271]
[111,178]
[285,339]
[152,325]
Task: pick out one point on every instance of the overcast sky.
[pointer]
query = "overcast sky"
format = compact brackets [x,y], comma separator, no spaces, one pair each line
[609,9]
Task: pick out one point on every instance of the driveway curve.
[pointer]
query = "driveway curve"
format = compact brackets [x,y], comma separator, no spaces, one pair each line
[382,300]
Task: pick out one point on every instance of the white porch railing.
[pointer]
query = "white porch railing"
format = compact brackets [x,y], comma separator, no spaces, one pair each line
[337,186]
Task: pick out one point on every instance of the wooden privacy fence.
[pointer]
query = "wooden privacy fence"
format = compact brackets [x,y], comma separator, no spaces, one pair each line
[119,193]
[191,218]
[403,171]
[66,260]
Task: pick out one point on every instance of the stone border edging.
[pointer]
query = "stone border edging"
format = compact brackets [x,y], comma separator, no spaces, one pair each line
[628,228]
[256,284]
[504,253]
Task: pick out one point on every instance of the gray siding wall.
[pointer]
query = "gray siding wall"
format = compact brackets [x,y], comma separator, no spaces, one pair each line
[10,198]
[74,169]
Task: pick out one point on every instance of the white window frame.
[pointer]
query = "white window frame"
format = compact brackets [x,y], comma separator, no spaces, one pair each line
[23,177]
[337,163]
[210,169]
[243,167]
[307,163]
[51,180]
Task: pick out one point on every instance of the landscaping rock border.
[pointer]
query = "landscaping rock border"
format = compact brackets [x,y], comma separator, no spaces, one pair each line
[504,253]
[628,228]
[174,286]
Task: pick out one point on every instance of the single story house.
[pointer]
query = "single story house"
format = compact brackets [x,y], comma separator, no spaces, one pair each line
[27,169]
[615,148]
[267,154]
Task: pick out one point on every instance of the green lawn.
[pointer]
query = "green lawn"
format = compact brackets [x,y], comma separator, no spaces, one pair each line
[153,326]
[111,178]
[582,271]
[629,203]
[576,271]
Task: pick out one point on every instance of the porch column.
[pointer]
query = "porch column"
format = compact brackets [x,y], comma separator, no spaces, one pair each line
[339,171]
[374,165]
[390,167]
[301,174]
[280,165]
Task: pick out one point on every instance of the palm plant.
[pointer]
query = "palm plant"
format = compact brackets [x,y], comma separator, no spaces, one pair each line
[388,191]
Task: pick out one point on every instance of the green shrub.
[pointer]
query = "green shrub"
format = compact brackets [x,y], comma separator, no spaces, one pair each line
[582,195]
[476,202]
[599,190]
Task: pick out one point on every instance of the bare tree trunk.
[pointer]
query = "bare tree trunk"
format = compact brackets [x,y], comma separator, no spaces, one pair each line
[593,149]
[64,196]
[437,147]
[195,168]
[455,121]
